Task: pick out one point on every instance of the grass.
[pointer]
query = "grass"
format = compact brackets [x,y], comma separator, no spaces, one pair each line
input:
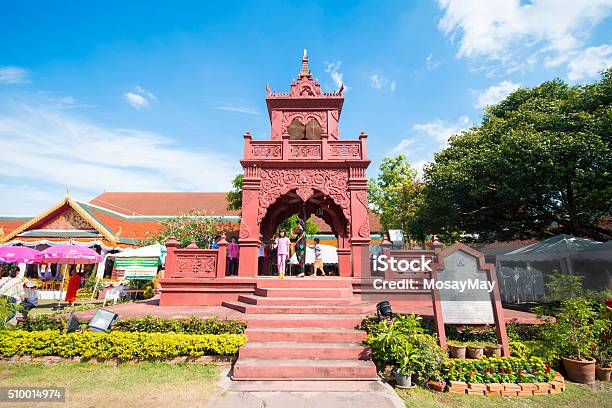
[127,385]
[575,395]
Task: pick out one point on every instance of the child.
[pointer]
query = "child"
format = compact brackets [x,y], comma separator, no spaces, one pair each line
[233,253]
[282,244]
[318,263]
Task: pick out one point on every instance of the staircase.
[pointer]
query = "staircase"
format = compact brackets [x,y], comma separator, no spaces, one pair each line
[303,329]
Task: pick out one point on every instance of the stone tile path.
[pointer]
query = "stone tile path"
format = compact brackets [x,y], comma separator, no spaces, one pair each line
[305,394]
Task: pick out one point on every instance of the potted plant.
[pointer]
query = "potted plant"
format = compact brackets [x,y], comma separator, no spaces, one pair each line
[474,350]
[456,349]
[407,355]
[573,335]
[603,348]
[493,350]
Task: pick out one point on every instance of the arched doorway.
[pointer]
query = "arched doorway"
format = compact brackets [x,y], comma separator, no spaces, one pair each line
[318,205]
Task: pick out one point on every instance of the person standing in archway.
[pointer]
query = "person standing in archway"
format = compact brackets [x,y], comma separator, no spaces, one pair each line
[300,245]
[282,245]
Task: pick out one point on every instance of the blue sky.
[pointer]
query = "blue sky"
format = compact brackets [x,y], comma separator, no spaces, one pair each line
[143,96]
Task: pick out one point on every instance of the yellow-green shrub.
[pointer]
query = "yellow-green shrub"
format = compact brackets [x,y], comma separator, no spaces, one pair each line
[119,345]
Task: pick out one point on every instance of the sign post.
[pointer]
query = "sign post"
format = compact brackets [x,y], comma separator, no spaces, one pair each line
[467,292]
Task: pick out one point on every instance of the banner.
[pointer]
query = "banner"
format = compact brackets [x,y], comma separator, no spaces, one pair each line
[136,268]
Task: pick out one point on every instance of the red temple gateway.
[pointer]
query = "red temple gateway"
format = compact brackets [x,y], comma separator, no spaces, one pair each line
[303,169]
[306,170]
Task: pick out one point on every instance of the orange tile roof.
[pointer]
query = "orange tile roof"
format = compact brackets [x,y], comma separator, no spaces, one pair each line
[9,224]
[161,203]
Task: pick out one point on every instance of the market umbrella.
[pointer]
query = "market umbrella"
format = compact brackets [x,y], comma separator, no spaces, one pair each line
[18,254]
[69,255]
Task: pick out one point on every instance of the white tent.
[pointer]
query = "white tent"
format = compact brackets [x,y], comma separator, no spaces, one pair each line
[149,251]
[523,272]
[557,247]
[602,251]
[329,253]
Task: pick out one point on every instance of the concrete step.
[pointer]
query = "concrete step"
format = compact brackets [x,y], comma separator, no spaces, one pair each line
[300,320]
[302,369]
[304,292]
[298,301]
[307,282]
[304,335]
[288,350]
[311,309]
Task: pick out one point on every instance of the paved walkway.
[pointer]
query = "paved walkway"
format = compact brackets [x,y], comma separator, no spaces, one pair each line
[152,307]
[305,394]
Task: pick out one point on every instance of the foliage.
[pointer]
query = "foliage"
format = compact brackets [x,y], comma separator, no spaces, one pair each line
[45,322]
[402,342]
[540,164]
[234,197]
[7,311]
[195,226]
[573,332]
[122,346]
[562,286]
[603,336]
[467,333]
[497,370]
[395,195]
[192,325]
[148,293]
[289,225]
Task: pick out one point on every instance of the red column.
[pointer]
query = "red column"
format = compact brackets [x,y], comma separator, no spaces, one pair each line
[249,225]
[170,267]
[360,222]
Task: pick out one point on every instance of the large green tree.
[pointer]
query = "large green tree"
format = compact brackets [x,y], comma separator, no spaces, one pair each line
[234,197]
[539,164]
[396,194]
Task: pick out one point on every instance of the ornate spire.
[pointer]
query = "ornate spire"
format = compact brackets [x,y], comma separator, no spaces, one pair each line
[305,72]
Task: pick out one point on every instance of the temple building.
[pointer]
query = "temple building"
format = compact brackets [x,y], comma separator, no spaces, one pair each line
[121,220]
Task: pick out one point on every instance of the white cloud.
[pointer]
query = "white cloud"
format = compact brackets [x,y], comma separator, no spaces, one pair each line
[515,34]
[333,69]
[495,93]
[379,82]
[13,75]
[402,147]
[45,146]
[590,62]
[441,130]
[431,62]
[238,109]
[140,98]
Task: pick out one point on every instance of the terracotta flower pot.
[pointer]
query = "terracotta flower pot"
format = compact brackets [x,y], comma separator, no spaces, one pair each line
[457,351]
[603,373]
[493,351]
[474,352]
[580,371]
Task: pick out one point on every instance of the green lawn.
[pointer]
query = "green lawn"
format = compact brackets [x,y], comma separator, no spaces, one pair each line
[126,385]
[599,396]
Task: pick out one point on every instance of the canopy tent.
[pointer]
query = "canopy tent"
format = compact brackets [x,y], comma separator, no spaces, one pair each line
[154,251]
[602,251]
[524,272]
[150,251]
[329,253]
[557,247]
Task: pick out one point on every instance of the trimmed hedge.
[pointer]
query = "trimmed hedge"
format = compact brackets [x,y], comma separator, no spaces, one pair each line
[149,324]
[117,345]
[192,325]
